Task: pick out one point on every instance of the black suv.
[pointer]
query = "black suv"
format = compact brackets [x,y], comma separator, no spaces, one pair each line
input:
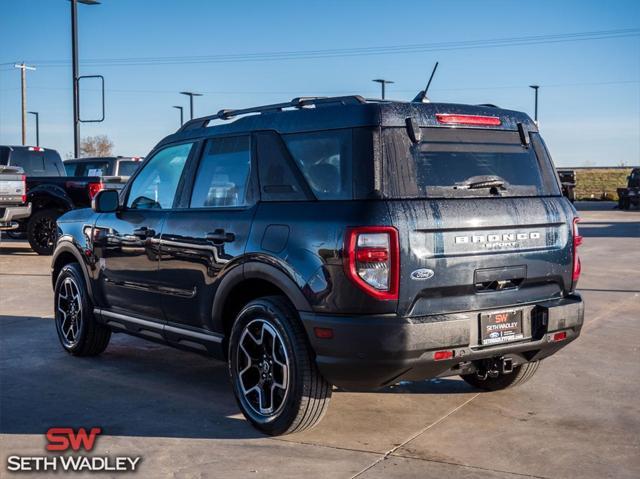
[332,241]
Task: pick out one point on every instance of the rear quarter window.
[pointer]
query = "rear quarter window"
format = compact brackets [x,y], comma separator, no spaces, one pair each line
[325,161]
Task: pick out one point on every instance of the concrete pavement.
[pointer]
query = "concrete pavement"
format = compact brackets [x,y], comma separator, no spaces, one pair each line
[578,417]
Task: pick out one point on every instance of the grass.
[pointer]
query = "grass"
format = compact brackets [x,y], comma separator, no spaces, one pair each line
[600,184]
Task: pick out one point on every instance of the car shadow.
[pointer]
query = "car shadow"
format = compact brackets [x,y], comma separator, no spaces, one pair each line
[438,386]
[596,290]
[610,229]
[135,388]
[16,251]
[595,205]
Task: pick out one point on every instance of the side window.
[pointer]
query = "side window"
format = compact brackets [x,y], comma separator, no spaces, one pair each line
[278,179]
[223,174]
[71,168]
[155,186]
[325,161]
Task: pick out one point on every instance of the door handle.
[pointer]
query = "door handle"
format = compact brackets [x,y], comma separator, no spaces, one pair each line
[220,236]
[143,232]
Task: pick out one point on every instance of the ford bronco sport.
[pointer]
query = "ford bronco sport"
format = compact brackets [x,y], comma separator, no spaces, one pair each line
[332,241]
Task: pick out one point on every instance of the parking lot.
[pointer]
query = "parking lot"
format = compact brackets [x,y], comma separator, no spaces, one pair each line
[578,417]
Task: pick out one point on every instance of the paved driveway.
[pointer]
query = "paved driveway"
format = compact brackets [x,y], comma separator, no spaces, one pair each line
[578,417]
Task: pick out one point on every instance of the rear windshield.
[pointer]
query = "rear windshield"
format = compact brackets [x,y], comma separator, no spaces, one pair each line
[127,168]
[458,162]
[37,163]
[88,168]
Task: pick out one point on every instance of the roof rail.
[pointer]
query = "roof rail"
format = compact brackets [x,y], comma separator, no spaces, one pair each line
[299,102]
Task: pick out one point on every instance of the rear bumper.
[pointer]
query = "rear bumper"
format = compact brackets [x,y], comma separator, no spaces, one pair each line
[13,213]
[367,352]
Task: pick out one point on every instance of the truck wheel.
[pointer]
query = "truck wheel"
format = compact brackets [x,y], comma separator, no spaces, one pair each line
[520,374]
[79,332]
[273,372]
[42,231]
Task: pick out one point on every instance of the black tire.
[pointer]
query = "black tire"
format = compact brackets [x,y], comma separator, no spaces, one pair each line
[306,398]
[78,331]
[521,374]
[42,231]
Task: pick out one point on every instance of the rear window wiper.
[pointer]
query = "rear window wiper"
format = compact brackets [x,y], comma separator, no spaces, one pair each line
[482,181]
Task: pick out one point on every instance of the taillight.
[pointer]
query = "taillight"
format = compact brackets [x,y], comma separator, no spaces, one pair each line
[24,188]
[94,188]
[372,260]
[557,337]
[442,355]
[577,241]
[453,119]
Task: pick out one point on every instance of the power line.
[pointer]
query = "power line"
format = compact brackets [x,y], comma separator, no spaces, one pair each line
[350,52]
[337,92]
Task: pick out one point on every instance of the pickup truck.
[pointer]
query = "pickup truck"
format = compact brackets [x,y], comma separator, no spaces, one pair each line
[49,192]
[630,196]
[568,182]
[13,197]
[115,170]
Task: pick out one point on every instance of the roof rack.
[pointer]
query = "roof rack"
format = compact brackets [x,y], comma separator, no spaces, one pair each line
[299,103]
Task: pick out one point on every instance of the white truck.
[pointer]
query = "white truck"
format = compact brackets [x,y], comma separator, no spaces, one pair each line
[13,197]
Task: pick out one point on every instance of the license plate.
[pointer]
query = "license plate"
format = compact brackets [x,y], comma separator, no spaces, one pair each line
[502,327]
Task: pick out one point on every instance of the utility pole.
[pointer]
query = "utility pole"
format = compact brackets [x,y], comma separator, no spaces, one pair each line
[181,114]
[74,72]
[23,85]
[37,115]
[535,114]
[383,82]
[190,94]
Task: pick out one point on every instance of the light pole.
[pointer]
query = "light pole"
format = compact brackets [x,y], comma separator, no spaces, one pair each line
[23,86]
[181,114]
[383,82]
[535,111]
[74,72]
[190,94]
[37,115]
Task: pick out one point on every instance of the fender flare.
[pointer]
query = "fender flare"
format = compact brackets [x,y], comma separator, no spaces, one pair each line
[256,270]
[50,194]
[66,246]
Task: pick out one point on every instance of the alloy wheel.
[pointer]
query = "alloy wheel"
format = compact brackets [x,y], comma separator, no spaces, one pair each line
[69,317]
[45,232]
[263,368]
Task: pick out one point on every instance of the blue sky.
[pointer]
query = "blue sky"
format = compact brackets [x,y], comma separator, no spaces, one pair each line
[589,95]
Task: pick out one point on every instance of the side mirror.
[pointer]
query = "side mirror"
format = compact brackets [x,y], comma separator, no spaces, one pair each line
[106,201]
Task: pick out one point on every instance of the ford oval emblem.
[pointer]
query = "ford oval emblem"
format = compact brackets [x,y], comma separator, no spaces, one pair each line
[422,274]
